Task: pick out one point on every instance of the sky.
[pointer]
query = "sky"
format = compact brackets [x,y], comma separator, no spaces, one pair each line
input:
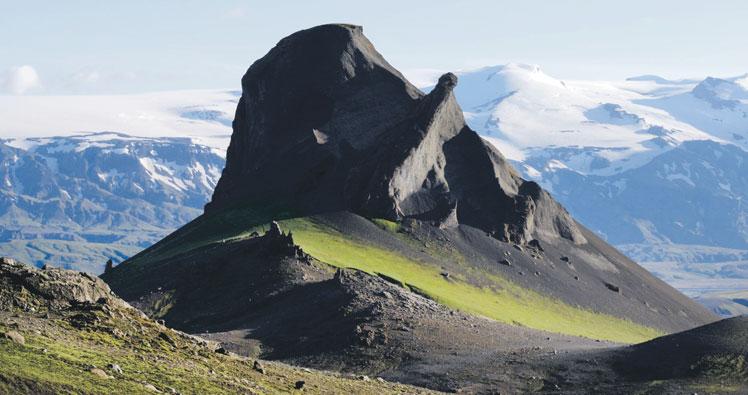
[88,47]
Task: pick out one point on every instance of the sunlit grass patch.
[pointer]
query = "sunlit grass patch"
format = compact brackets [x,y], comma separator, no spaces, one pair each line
[504,302]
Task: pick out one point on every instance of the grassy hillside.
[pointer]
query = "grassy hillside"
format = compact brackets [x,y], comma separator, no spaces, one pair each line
[59,362]
[74,350]
[498,298]
[503,301]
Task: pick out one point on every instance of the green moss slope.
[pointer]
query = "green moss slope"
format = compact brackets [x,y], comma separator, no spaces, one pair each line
[504,301]
[501,300]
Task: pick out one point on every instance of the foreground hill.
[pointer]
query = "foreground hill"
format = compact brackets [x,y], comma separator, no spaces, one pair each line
[706,360]
[714,351]
[64,332]
[366,172]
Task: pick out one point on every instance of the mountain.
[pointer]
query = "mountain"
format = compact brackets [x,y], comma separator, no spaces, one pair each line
[383,151]
[360,225]
[653,166]
[614,139]
[65,332]
[204,116]
[77,201]
[74,167]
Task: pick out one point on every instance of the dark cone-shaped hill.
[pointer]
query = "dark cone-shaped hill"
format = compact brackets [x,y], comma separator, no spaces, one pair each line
[365,172]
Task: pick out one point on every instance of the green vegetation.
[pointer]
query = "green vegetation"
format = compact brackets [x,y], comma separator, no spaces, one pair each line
[504,302]
[385,224]
[726,366]
[499,299]
[229,225]
[58,359]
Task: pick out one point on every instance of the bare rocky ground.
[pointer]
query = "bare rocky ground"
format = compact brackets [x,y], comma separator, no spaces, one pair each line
[402,336]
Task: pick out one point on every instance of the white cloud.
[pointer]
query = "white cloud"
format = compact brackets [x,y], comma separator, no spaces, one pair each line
[20,80]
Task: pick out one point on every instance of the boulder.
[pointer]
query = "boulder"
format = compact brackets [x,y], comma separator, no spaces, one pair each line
[15,337]
[99,373]
[258,367]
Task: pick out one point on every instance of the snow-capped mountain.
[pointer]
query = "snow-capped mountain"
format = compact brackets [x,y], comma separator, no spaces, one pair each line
[77,201]
[658,167]
[76,196]
[203,116]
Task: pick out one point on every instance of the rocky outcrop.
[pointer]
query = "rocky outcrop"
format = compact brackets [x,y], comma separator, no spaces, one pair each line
[30,289]
[325,123]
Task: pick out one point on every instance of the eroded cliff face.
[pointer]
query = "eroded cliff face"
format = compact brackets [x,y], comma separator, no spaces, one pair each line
[325,124]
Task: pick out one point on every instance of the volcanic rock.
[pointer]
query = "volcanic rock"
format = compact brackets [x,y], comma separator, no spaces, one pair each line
[325,123]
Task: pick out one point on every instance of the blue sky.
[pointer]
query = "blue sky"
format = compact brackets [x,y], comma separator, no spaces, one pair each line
[134,46]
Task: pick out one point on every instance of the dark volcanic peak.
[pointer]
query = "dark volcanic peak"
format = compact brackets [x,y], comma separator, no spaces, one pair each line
[325,124]
[426,222]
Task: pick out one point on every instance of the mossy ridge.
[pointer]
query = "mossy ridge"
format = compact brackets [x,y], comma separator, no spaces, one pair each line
[500,299]
[229,225]
[67,329]
[504,302]
[385,224]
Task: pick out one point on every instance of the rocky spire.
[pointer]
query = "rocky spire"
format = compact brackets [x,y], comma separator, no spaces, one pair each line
[326,124]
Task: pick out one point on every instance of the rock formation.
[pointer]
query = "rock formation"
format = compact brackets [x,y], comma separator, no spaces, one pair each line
[325,123]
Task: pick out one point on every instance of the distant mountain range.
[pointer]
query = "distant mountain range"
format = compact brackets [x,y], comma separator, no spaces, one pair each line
[656,167]
[77,201]
[76,195]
